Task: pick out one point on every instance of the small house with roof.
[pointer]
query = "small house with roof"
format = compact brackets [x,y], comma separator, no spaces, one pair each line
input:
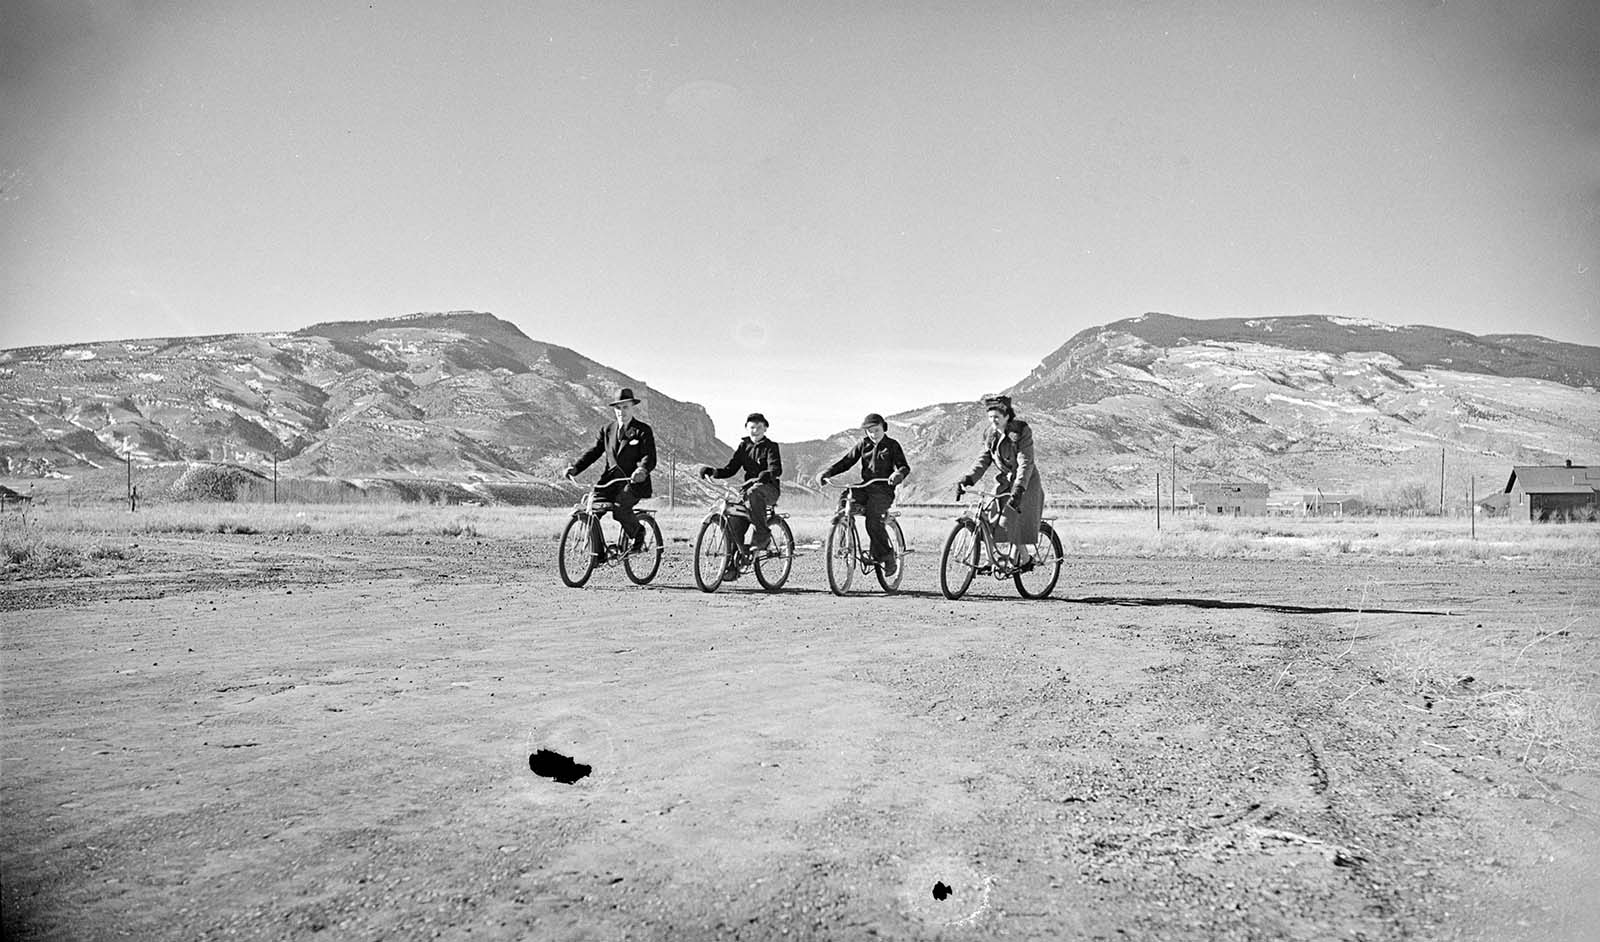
[10,498]
[1315,503]
[1541,493]
[1229,498]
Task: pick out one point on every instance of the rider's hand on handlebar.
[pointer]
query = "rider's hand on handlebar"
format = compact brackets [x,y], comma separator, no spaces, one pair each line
[896,478]
[822,480]
[571,475]
[706,470]
[638,476]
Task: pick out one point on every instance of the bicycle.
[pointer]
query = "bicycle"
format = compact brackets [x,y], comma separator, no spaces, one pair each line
[972,538]
[576,559]
[844,550]
[718,557]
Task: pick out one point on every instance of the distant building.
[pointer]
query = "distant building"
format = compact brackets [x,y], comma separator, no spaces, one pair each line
[1316,503]
[1230,498]
[10,498]
[1541,493]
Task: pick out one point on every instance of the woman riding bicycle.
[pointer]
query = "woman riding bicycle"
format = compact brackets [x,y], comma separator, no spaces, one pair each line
[758,457]
[880,457]
[1009,446]
[629,447]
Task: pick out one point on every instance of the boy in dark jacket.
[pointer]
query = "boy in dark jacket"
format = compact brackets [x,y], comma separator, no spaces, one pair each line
[629,447]
[757,456]
[880,457]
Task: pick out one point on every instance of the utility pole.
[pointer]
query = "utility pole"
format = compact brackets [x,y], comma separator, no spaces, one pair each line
[1174,480]
[1158,501]
[1441,480]
[127,457]
[1473,506]
[274,476]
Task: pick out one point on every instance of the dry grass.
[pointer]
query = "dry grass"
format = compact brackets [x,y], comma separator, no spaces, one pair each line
[1531,692]
[27,548]
[1083,532]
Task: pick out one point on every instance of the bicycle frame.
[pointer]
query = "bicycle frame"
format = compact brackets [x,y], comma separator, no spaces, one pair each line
[862,557]
[772,565]
[578,564]
[985,516]
[734,500]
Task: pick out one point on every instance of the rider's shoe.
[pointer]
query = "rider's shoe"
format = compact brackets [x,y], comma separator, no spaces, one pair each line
[1026,565]
[888,565]
[636,545]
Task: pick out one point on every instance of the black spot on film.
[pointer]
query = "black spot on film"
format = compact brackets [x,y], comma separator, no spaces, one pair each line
[547,764]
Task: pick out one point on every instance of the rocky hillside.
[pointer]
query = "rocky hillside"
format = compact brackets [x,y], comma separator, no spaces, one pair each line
[461,396]
[1302,403]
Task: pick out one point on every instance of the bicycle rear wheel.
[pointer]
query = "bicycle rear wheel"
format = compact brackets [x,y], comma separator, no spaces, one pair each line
[575,558]
[959,561]
[841,556]
[772,567]
[1040,580]
[897,542]
[711,551]
[642,566]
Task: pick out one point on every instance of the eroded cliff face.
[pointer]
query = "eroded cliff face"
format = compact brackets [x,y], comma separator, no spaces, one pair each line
[1295,402]
[435,395]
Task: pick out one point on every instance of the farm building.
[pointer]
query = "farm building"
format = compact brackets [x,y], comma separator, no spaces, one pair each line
[10,498]
[1232,498]
[1554,492]
[1317,503]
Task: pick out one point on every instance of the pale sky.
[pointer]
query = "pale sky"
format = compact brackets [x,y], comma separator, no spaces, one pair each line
[811,210]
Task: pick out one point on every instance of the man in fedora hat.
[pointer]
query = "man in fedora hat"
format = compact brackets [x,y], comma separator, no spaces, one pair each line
[758,457]
[629,447]
[880,457]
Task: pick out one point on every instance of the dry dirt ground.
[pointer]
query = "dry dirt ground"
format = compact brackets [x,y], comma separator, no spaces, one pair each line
[267,737]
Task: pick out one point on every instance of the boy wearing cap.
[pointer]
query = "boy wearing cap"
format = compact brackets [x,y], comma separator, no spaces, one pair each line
[757,456]
[880,457]
[629,447]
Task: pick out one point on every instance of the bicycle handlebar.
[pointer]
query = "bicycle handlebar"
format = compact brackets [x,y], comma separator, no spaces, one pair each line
[981,492]
[861,484]
[739,493]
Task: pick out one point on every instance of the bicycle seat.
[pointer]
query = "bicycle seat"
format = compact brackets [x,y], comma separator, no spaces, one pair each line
[743,510]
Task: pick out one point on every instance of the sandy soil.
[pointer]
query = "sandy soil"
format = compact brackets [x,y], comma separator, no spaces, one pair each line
[272,737]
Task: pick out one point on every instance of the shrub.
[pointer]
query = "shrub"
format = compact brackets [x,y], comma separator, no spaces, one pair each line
[211,482]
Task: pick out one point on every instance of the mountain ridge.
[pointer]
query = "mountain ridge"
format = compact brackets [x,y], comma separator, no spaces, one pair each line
[1323,401]
[1302,401]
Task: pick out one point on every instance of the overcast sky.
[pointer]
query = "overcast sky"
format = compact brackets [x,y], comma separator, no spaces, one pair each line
[813,210]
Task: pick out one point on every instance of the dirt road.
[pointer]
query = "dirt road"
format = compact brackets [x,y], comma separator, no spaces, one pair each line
[274,737]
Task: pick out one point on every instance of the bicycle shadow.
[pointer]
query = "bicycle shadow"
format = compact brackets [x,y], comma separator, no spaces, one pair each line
[1286,608]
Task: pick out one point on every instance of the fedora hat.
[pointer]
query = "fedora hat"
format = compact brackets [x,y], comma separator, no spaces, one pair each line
[626,395]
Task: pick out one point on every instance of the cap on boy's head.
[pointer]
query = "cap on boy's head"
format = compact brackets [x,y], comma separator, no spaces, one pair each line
[872,419]
[997,401]
[756,417]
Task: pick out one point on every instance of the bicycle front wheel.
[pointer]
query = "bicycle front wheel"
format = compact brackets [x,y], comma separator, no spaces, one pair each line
[959,561]
[711,551]
[897,542]
[1040,580]
[575,559]
[772,567]
[841,556]
[642,566]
